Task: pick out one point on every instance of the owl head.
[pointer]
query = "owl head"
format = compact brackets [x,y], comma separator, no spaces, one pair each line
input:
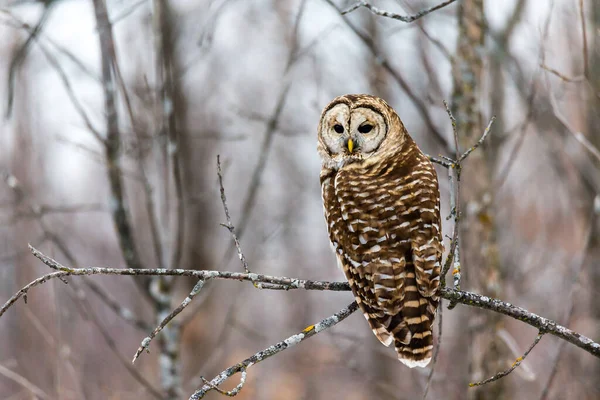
[358,129]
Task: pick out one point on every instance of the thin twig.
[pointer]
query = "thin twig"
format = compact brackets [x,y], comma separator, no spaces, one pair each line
[229,225]
[454,238]
[580,137]
[388,14]
[584,40]
[589,146]
[24,382]
[124,14]
[146,342]
[443,163]
[454,171]
[486,132]
[61,73]
[20,55]
[454,180]
[514,365]
[308,332]
[232,392]
[562,76]
[437,43]
[503,175]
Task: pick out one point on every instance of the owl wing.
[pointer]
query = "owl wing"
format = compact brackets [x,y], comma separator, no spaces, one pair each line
[362,276]
[426,240]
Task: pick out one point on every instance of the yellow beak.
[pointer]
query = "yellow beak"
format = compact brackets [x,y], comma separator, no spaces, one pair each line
[350,145]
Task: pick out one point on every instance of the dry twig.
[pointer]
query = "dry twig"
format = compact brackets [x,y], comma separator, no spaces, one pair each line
[514,365]
[308,332]
[146,342]
[398,17]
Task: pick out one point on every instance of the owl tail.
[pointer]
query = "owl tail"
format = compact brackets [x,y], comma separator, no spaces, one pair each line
[417,313]
[415,354]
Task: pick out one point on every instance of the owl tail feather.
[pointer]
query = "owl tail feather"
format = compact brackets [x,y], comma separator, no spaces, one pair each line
[415,354]
[410,359]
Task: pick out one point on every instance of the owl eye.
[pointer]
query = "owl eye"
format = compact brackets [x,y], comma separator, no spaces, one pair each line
[365,128]
[338,128]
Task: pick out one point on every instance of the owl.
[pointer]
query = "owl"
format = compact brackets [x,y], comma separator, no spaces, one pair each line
[382,208]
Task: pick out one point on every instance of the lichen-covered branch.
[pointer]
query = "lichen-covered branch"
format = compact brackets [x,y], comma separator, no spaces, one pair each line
[146,342]
[308,332]
[544,325]
[514,365]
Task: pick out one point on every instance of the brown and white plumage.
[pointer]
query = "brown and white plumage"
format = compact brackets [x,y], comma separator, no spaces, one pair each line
[382,207]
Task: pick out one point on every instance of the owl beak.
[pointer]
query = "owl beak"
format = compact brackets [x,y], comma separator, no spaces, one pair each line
[350,145]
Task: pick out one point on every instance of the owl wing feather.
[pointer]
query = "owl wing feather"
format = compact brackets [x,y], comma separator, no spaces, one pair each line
[426,244]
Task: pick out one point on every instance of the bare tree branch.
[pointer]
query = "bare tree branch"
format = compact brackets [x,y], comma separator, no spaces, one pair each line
[584,46]
[308,332]
[19,57]
[544,325]
[229,224]
[388,14]
[514,365]
[146,342]
[61,73]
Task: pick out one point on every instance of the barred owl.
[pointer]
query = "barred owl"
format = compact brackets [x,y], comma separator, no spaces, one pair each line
[382,207]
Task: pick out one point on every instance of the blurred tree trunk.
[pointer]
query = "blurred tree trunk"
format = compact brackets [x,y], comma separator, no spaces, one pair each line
[478,349]
[593,114]
[172,112]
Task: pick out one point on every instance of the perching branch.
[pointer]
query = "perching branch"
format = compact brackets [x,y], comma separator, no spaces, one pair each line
[544,325]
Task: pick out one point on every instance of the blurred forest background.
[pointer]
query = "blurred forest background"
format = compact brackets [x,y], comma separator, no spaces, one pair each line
[113,114]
